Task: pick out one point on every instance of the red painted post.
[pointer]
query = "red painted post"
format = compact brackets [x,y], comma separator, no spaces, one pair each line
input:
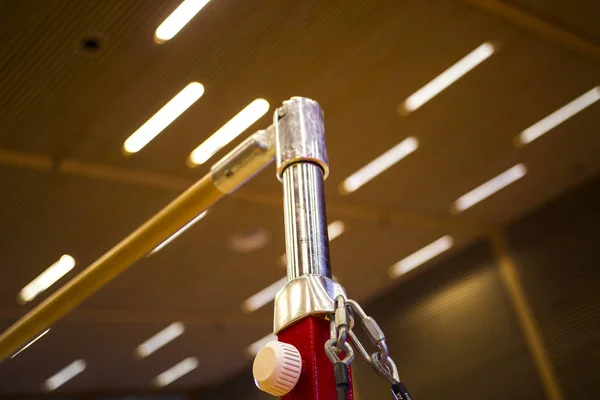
[316,381]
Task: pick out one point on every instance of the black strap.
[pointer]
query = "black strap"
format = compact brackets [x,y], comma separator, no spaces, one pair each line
[400,392]
[342,383]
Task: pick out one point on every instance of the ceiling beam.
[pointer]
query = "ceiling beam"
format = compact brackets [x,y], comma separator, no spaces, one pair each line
[388,215]
[538,24]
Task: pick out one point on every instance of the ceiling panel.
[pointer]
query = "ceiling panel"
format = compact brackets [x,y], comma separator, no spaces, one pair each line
[360,60]
[581,16]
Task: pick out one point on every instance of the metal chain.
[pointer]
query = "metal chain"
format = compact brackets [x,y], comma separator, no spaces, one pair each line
[341,333]
[339,328]
[380,360]
[337,344]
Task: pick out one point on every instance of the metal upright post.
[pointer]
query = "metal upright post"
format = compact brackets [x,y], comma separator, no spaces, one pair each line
[300,307]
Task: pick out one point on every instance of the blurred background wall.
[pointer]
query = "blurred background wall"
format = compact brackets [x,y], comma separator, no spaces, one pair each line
[452,328]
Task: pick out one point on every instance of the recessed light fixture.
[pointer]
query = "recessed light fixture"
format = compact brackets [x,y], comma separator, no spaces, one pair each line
[421,256]
[378,165]
[179,232]
[30,343]
[178,19]
[334,230]
[46,279]
[255,347]
[159,121]
[232,129]
[447,78]
[559,116]
[64,375]
[160,339]
[176,371]
[489,188]
[90,44]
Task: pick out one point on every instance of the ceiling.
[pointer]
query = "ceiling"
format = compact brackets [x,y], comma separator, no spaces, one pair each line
[66,187]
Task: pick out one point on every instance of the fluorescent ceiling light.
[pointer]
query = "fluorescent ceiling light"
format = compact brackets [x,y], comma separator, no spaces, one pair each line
[448,77]
[179,232]
[64,375]
[176,371]
[559,116]
[421,256]
[490,187]
[160,339]
[229,131]
[261,298]
[255,347]
[334,229]
[380,164]
[178,19]
[30,343]
[46,279]
[167,114]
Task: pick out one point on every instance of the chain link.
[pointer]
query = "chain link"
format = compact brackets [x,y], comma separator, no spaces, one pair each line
[333,352]
[341,335]
[375,335]
[342,323]
[386,370]
[339,328]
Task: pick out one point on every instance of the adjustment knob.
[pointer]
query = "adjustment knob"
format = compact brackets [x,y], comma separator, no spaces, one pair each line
[276,368]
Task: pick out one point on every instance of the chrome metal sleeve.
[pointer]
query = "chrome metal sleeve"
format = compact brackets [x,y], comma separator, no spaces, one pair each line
[300,135]
[306,239]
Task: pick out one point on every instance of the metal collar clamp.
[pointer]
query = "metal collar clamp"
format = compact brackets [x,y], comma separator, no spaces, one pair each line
[300,135]
[304,296]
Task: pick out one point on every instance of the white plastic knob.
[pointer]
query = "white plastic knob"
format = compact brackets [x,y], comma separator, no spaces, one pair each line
[277,368]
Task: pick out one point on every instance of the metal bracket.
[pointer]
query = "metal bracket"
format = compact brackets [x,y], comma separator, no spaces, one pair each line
[246,160]
[304,296]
